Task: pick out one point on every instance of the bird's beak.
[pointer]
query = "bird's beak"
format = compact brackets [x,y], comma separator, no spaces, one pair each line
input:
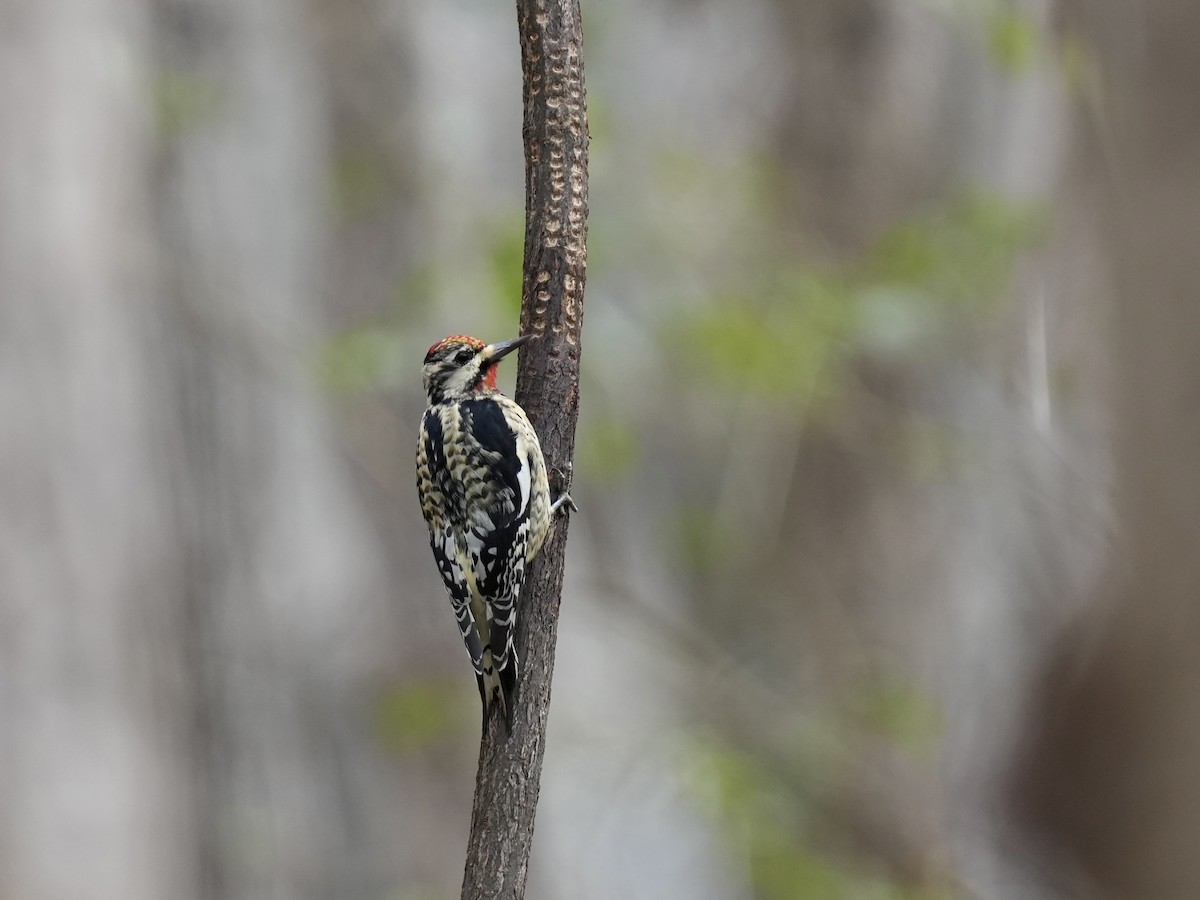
[496,352]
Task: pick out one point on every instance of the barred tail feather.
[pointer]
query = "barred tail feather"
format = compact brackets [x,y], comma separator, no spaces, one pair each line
[498,684]
[484,694]
[508,685]
[506,659]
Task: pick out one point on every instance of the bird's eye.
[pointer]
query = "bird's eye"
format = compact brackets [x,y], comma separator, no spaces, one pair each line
[463,355]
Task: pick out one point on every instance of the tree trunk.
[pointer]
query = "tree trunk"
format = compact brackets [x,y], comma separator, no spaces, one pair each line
[1111,774]
[556,141]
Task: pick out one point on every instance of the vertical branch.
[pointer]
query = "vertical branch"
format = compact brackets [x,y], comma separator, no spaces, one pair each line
[556,141]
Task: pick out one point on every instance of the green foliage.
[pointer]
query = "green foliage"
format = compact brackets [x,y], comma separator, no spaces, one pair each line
[931,449]
[359,183]
[183,100]
[607,450]
[506,260]
[379,354]
[795,333]
[1012,38]
[1079,70]
[705,542]
[417,714]
[361,359]
[1013,41]
[773,823]
[786,341]
[895,709]
[600,117]
[960,255]
[414,294]
[702,203]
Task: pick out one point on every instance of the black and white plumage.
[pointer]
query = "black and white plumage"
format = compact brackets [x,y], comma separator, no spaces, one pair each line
[483,489]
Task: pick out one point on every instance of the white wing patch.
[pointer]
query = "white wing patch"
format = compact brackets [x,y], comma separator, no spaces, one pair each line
[523,484]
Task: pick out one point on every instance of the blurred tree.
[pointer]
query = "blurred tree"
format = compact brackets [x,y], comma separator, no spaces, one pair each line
[95,780]
[1111,777]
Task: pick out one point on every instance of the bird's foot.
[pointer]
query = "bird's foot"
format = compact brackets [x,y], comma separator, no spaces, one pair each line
[563,478]
[564,500]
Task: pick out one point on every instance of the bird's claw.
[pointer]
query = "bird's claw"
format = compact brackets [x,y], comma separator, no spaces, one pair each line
[564,500]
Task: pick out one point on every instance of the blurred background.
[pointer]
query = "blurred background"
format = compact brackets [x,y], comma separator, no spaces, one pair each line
[885,583]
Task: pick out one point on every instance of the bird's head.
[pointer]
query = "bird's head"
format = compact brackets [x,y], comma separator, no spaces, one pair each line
[458,366]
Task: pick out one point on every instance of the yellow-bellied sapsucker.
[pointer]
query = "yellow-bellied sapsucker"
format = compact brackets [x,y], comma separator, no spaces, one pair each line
[482,484]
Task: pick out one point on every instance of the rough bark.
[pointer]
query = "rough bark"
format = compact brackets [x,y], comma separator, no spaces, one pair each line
[556,141]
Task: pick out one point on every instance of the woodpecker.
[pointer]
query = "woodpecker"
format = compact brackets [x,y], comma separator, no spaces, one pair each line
[481,480]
